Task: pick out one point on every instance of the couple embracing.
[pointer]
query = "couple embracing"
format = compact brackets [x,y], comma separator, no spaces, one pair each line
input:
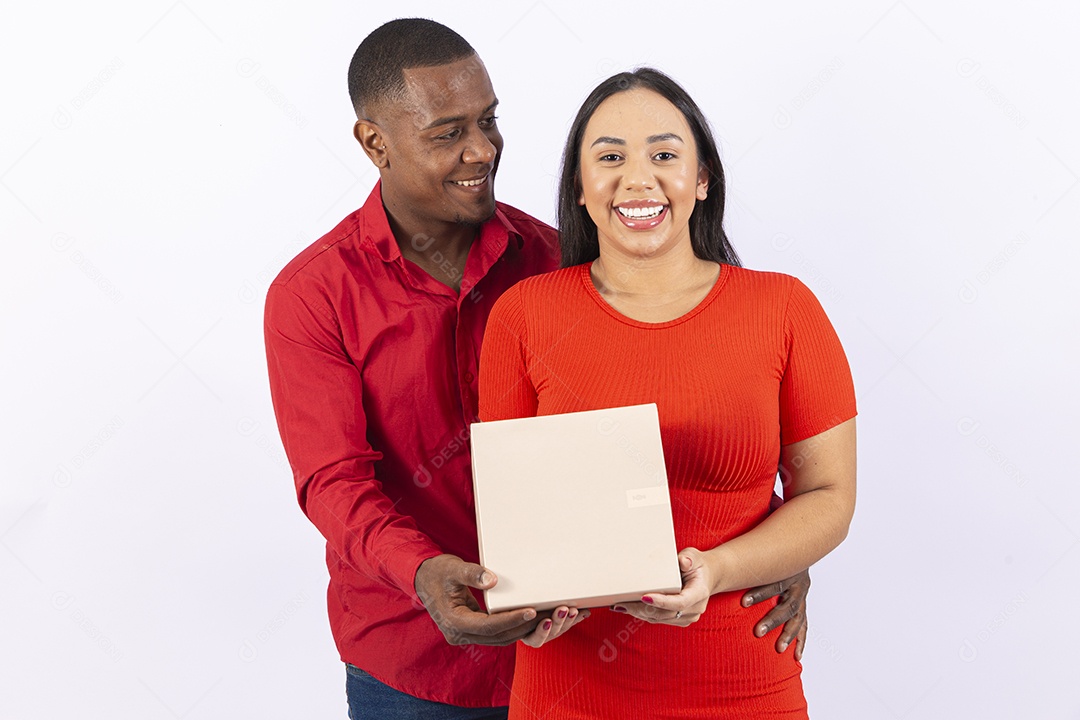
[434,306]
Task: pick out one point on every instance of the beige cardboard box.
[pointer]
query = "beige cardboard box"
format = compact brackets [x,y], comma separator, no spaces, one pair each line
[574,509]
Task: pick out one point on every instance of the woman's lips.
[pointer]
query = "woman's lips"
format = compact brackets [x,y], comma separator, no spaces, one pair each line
[641,217]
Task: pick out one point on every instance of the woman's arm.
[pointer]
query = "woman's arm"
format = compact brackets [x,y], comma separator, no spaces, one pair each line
[814,519]
[819,501]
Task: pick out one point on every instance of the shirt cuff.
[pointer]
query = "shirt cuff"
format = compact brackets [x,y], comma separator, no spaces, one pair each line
[403,562]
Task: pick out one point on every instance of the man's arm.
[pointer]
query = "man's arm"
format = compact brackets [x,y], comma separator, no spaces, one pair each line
[318,400]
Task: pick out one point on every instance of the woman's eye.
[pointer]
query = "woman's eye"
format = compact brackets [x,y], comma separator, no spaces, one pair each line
[665,155]
[610,157]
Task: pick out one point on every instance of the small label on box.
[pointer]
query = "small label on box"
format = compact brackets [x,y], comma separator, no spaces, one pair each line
[644,497]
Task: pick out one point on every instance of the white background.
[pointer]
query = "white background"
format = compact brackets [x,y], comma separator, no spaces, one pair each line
[915,163]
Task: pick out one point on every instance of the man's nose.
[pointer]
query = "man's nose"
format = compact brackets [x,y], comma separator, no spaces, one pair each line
[479,149]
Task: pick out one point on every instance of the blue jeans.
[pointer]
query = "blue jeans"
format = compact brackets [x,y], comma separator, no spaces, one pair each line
[370,699]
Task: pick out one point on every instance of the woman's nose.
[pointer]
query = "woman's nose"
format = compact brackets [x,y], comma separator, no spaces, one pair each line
[638,175]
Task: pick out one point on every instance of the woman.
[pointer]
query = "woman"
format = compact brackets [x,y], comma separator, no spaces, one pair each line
[652,306]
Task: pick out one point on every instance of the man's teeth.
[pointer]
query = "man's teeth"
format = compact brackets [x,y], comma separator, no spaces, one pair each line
[471,183]
[641,213]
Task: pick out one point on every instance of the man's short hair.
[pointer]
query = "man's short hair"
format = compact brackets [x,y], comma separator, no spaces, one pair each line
[375,73]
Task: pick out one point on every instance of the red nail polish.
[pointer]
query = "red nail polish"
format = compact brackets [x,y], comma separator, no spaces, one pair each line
[618,608]
[547,625]
[647,600]
[562,614]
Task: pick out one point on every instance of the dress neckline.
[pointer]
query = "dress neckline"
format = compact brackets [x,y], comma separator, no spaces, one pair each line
[590,289]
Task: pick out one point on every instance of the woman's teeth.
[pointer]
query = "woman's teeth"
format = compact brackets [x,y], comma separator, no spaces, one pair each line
[641,213]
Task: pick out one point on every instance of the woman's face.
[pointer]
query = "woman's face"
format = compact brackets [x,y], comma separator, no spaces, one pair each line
[640,177]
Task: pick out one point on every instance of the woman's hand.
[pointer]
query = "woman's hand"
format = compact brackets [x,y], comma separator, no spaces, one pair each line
[562,619]
[685,607]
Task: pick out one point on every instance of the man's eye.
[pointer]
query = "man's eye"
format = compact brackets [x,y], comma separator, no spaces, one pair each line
[489,121]
[449,136]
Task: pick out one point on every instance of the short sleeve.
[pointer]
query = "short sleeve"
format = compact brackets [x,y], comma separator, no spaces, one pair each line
[506,391]
[816,390]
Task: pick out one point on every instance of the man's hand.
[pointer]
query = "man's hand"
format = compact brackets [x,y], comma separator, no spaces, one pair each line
[790,611]
[443,583]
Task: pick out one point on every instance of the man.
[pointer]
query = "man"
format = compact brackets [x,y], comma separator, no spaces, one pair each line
[373,335]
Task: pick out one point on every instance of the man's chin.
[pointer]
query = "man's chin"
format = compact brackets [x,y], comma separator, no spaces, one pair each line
[477,218]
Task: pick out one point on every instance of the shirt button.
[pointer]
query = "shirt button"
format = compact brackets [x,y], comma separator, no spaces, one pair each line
[469,377]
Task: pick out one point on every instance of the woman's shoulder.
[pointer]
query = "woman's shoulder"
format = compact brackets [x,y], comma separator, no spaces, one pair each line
[747,277]
[540,288]
[761,284]
[775,293]
[538,291]
[783,297]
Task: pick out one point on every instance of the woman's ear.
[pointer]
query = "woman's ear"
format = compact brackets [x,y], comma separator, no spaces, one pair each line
[371,139]
[703,183]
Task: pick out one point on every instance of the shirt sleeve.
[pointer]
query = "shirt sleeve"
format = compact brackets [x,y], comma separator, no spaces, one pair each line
[816,391]
[318,400]
[506,390]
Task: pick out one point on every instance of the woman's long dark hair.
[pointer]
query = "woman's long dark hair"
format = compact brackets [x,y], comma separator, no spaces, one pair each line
[577,230]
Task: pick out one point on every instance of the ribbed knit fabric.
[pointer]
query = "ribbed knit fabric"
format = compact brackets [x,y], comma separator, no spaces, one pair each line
[754,365]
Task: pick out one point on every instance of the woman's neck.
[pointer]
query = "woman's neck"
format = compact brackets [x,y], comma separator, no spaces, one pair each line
[653,289]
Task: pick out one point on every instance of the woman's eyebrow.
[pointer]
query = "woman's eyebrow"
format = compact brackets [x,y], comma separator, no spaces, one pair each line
[606,140]
[662,137]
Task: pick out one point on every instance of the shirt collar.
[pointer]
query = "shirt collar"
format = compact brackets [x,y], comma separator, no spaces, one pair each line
[495,233]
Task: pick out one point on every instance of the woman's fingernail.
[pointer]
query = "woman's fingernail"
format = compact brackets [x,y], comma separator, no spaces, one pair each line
[562,614]
[619,608]
[547,624]
[647,600]
[573,614]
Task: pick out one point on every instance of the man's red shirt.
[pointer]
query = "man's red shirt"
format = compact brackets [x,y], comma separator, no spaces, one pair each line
[373,371]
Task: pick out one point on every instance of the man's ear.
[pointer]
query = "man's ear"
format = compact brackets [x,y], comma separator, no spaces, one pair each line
[703,183]
[371,139]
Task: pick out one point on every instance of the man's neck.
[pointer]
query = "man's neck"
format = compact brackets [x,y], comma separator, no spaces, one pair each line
[440,249]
